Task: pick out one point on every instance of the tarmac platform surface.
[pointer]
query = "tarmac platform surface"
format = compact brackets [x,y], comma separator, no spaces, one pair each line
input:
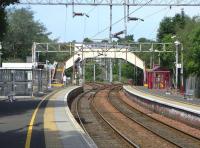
[43,122]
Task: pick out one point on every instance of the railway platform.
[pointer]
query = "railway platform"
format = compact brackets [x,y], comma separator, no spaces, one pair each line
[60,128]
[176,108]
[42,122]
[170,94]
[169,101]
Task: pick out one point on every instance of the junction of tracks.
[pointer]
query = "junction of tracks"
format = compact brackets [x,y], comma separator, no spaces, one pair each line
[99,115]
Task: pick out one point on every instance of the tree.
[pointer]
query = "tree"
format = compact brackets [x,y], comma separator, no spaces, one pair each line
[127,39]
[4,3]
[3,19]
[170,25]
[3,23]
[89,71]
[146,57]
[187,31]
[87,40]
[192,48]
[23,30]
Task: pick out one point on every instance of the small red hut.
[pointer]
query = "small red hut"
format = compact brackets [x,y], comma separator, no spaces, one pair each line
[158,78]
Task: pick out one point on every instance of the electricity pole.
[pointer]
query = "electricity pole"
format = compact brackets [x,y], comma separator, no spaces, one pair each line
[125,20]
[110,31]
[177,43]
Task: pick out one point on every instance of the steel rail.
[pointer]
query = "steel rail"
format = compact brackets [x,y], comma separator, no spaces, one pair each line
[154,120]
[161,121]
[112,127]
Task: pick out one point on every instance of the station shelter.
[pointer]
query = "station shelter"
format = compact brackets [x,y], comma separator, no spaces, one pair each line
[158,78]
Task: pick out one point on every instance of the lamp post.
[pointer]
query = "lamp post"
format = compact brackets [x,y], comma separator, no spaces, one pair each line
[182,83]
[177,43]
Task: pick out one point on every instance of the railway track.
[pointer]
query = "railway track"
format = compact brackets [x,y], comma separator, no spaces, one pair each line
[94,126]
[169,133]
[132,132]
[132,143]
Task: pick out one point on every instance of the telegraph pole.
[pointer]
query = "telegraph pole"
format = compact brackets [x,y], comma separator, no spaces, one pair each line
[111,73]
[120,70]
[110,31]
[94,72]
[125,20]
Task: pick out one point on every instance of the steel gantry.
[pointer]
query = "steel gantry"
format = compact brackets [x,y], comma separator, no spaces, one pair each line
[125,3]
[79,52]
[114,2]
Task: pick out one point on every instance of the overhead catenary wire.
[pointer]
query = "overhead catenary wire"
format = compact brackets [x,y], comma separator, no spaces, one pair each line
[148,16]
[121,19]
[156,26]
[85,21]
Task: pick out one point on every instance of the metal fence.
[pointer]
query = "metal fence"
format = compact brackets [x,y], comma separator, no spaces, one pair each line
[193,86]
[40,81]
[23,82]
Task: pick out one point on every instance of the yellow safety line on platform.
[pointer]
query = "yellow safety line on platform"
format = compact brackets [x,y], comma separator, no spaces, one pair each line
[30,127]
[51,138]
[60,69]
[57,85]
[149,94]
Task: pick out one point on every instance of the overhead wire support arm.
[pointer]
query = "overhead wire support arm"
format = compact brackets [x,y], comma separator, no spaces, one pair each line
[114,3]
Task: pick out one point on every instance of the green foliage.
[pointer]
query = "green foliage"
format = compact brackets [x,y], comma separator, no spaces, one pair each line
[89,72]
[187,31]
[194,64]
[69,72]
[170,25]
[4,3]
[191,43]
[145,56]
[87,40]
[3,17]
[23,30]
[3,23]
[127,39]
[128,70]
[144,40]
[104,41]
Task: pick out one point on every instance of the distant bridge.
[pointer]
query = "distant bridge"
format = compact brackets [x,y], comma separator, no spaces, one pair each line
[102,52]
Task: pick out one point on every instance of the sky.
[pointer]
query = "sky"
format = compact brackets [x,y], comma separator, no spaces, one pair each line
[59,21]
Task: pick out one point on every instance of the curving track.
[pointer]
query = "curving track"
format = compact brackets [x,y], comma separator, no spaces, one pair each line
[169,133]
[108,126]
[111,122]
[102,134]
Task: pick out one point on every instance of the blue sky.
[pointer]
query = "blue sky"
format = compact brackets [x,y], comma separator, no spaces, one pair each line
[59,20]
